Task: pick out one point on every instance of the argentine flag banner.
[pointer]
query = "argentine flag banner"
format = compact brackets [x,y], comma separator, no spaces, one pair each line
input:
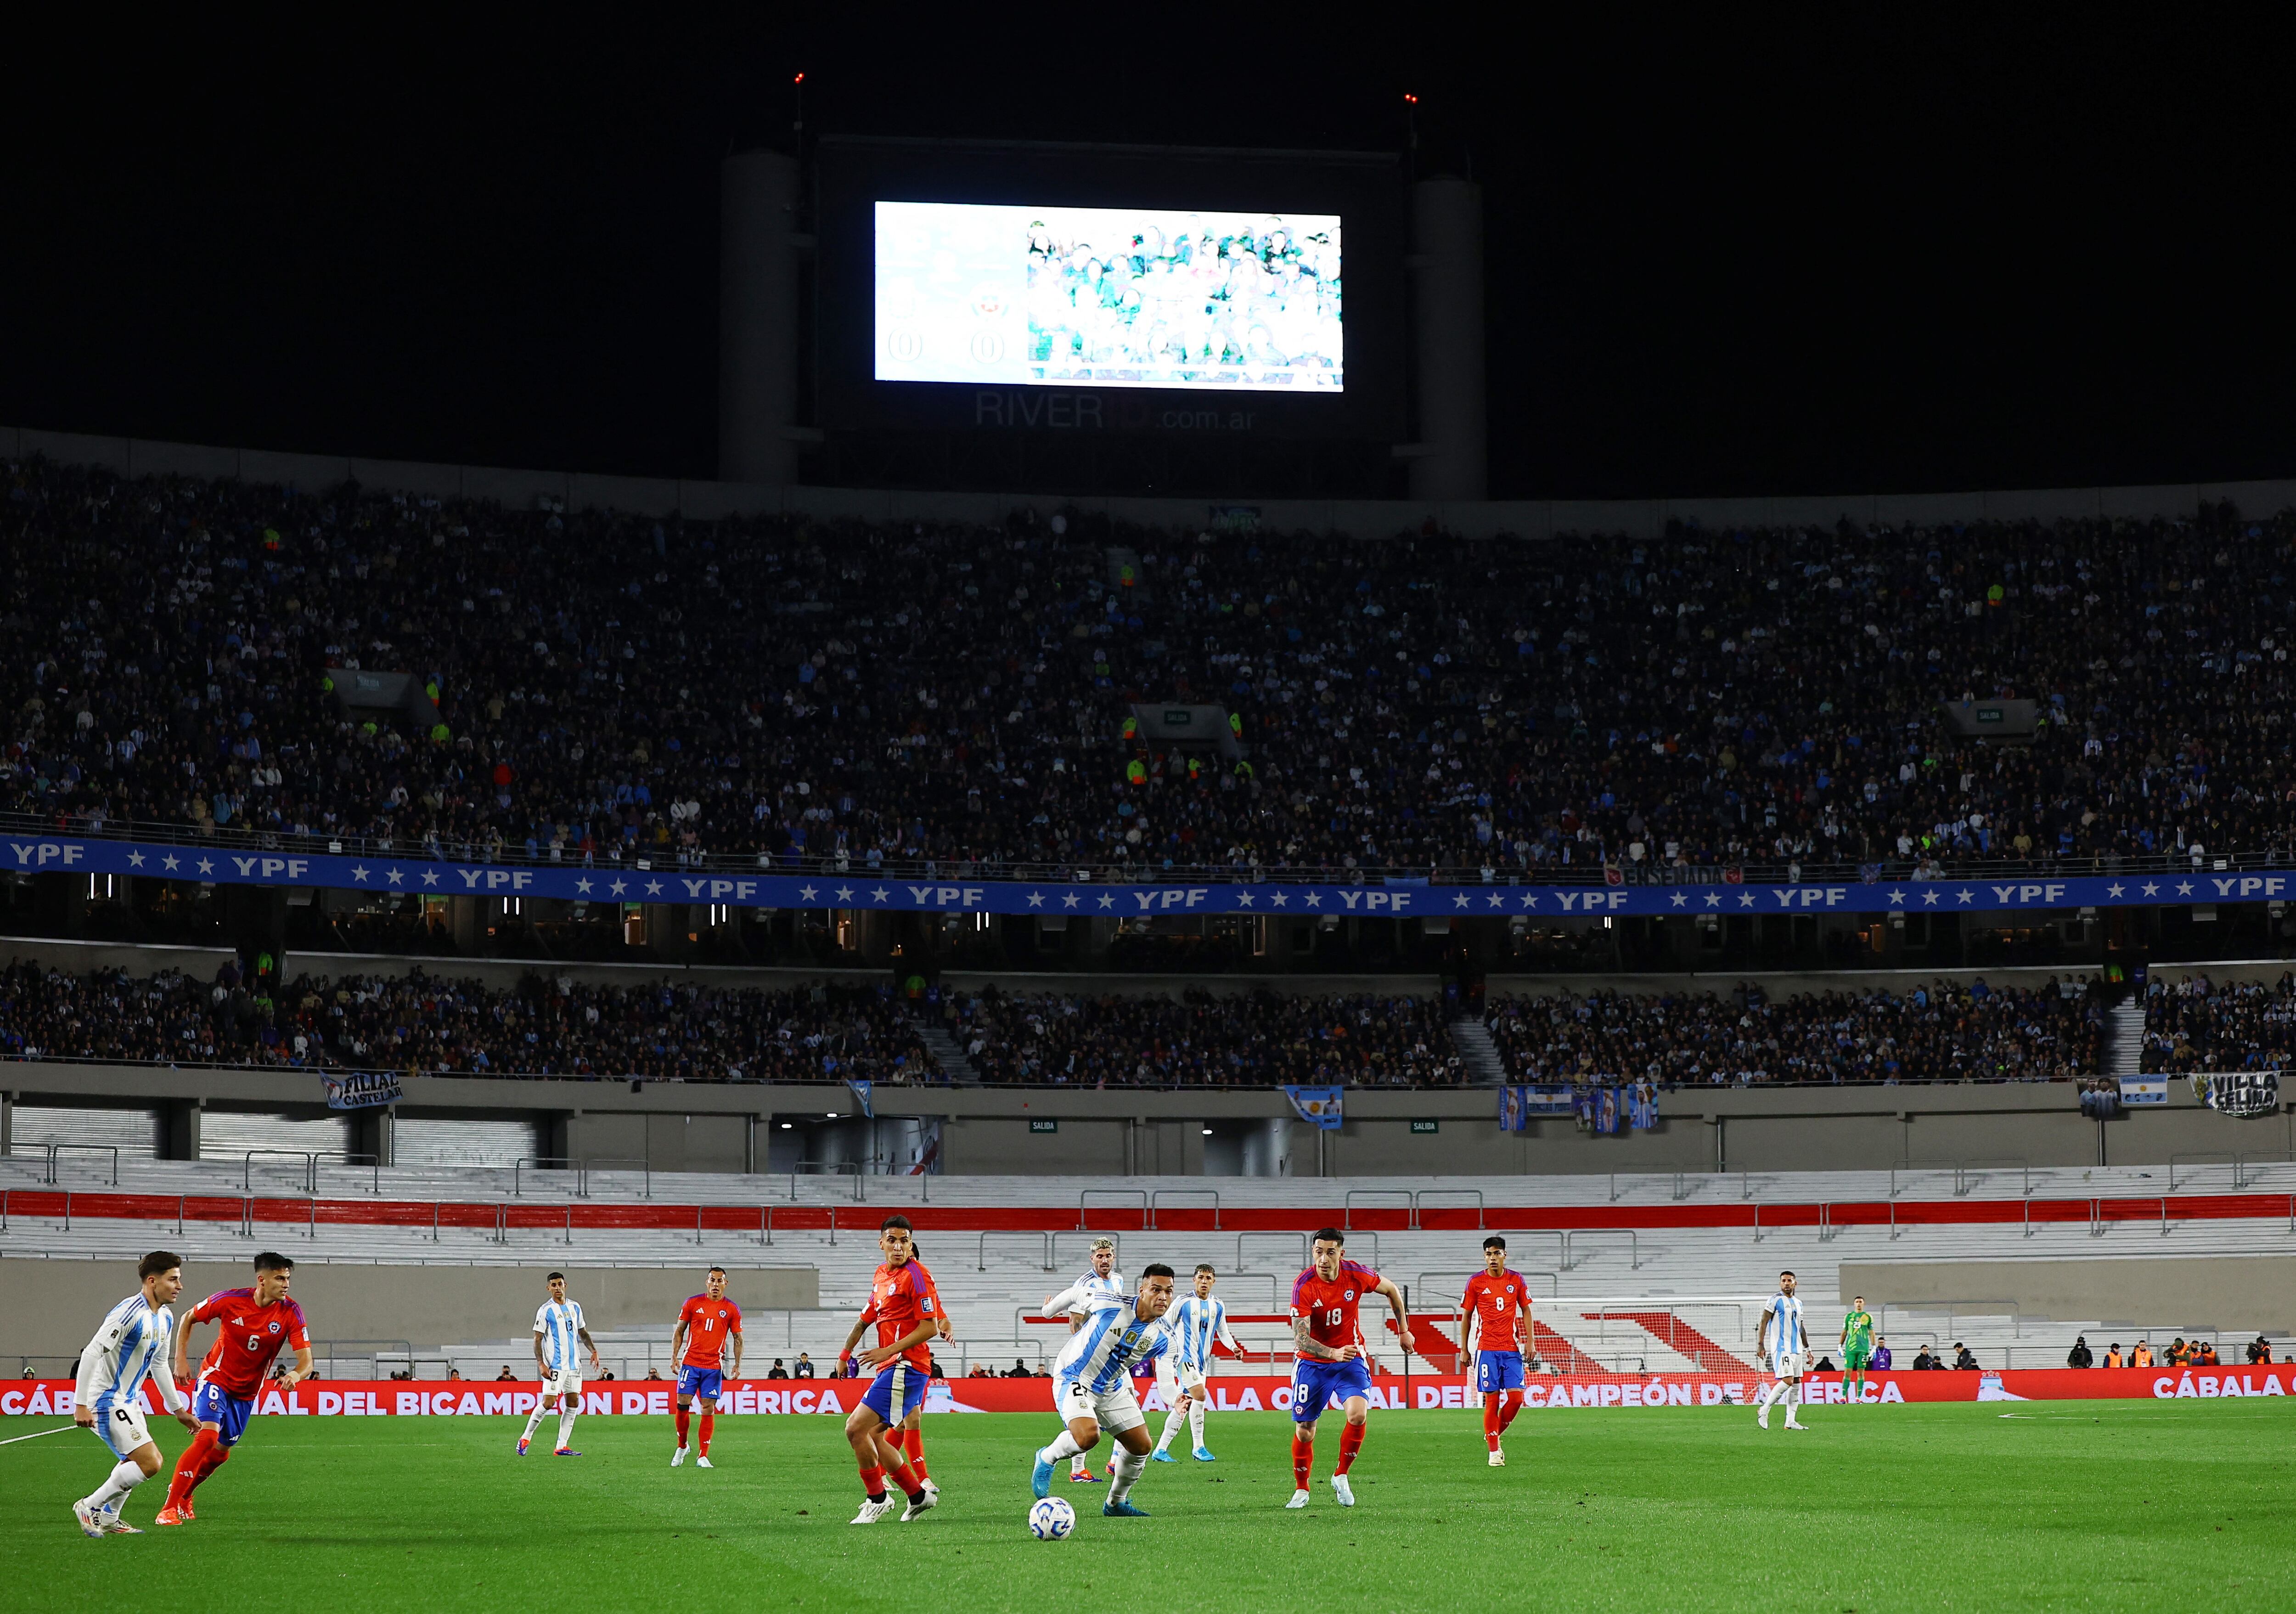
[1318,1106]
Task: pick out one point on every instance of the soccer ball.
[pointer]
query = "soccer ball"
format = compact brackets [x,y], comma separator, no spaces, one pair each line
[1051,1520]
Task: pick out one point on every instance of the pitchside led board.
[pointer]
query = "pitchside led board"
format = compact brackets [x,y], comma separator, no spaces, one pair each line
[1010,287]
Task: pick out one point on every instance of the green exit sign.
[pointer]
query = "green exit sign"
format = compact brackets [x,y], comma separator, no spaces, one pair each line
[1422,1126]
[1044,1126]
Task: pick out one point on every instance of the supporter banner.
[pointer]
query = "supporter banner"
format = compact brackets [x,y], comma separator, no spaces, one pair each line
[835,1397]
[860,889]
[1520,1105]
[2143,1090]
[2239,1093]
[1322,1107]
[362,1090]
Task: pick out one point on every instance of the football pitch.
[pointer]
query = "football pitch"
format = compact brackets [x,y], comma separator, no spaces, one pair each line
[2041,1505]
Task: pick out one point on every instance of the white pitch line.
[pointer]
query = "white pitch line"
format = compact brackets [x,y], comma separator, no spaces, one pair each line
[59,1429]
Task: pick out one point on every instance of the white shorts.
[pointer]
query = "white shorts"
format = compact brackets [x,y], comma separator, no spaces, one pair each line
[565,1382]
[1115,1411]
[122,1427]
[1172,1378]
[1788,1364]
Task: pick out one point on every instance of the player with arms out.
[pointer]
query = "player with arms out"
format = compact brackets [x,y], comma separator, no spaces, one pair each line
[1098,1278]
[1197,1323]
[1329,1360]
[906,1310]
[1092,1386]
[704,1324]
[1496,1306]
[254,1324]
[132,1343]
[559,1333]
[1857,1346]
[1783,1343]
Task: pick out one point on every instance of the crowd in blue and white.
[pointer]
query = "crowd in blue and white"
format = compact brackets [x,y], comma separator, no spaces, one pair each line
[1945,1030]
[803,691]
[2199,1023]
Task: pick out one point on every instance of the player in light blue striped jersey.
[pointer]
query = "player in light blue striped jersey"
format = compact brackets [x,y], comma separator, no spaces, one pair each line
[1197,1323]
[1101,1277]
[558,1326]
[131,1344]
[1784,1343]
[1092,1386]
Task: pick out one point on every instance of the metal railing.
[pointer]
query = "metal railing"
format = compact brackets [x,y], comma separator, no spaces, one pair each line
[54,1149]
[542,1162]
[1301,1265]
[1084,1202]
[645,1170]
[1961,1169]
[310,1157]
[2204,1154]
[1156,1201]
[496,1232]
[2094,1203]
[1347,1205]
[1419,1204]
[1634,1243]
[328,1351]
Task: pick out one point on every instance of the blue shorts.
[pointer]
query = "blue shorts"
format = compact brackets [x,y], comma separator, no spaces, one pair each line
[899,1390]
[1315,1383]
[211,1404]
[1498,1370]
[702,1383]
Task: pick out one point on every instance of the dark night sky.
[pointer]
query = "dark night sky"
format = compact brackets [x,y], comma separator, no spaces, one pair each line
[1722,261]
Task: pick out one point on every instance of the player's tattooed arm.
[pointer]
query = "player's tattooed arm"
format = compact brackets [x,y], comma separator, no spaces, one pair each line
[584,1333]
[541,1368]
[1305,1344]
[738,1343]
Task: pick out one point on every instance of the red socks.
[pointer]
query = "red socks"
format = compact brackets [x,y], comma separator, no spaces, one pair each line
[906,1477]
[1350,1443]
[873,1480]
[916,1450]
[191,1468]
[1514,1405]
[709,1422]
[1491,1423]
[684,1422]
[1303,1459]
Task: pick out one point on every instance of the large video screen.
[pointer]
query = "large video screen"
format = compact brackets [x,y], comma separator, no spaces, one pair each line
[1108,297]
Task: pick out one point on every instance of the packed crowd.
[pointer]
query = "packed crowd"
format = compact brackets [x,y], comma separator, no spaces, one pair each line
[791,688]
[2199,1024]
[555,1026]
[1205,1041]
[1942,1031]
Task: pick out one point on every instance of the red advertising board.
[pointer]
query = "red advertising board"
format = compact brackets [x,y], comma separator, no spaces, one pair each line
[335,1398]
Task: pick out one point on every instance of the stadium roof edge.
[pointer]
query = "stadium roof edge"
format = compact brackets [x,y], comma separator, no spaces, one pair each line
[708,500]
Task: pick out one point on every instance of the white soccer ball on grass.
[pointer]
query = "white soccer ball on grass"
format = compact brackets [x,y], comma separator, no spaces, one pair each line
[1051,1520]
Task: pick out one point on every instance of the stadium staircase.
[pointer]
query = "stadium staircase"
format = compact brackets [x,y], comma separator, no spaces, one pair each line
[2124,1049]
[954,1061]
[1477,1052]
[1633,1273]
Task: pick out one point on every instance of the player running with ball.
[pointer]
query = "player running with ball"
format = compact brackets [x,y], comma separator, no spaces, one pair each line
[1497,1306]
[1329,1359]
[253,1325]
[1092,1386]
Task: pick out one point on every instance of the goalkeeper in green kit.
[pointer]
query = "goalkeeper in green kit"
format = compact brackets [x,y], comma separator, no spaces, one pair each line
[1857,1348]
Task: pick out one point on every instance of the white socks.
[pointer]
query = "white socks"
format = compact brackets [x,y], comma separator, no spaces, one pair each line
[1171,1428]
[565,1423]
[1196,1423]
[1123,1471]
[534,1421]
[1065,1446]
[123,1478]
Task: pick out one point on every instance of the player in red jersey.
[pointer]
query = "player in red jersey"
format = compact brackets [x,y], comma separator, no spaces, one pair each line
[906,1310]
[1329,1359]
[911,1435]
[704,1323]
[1497,1306]
[255,1324]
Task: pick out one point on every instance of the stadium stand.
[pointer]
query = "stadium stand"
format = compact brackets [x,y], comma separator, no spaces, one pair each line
[1651,1279]
[1941,1032]
[871,696]
[2198,1024]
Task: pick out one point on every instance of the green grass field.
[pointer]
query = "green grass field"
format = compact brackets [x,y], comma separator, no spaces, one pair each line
[2121,1504]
